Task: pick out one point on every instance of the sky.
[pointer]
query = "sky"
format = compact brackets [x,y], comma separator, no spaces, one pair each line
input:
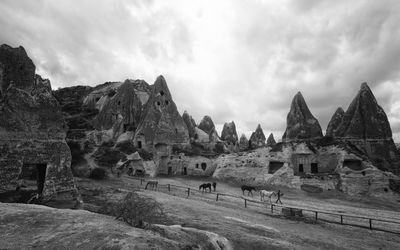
[236,60]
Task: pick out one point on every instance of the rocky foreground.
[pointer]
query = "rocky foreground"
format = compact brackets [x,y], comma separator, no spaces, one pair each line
[25,226]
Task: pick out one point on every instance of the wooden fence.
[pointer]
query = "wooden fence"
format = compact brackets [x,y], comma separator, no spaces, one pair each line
[372,223]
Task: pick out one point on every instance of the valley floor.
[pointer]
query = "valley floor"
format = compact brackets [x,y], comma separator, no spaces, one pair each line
[254,227]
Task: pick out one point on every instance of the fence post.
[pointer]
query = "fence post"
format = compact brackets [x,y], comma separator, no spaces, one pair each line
[316,215]
[141,182]
[217,196]
[169,188]
[188,192]
[341,219]
[245,202]
[370,224]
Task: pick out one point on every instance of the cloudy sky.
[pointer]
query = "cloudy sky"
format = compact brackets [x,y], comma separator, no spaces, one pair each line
[233,60]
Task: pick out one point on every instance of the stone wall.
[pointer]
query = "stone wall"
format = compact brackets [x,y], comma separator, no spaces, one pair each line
[54,153]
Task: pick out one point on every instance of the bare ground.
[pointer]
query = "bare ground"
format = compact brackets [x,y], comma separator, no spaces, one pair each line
[254,227]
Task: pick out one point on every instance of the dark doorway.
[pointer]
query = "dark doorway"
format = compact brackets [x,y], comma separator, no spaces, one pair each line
[203,166]
[301,169]
[139,144]
[32,173]
[353,164]
[274,166]
[184,171]
[169,170]
[314,168]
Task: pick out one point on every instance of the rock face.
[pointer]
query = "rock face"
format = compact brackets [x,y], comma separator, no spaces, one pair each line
[123,102]
[190,123]
[229,133]
[16,69]
[335,122]
[243,143]
[257,138]
[366,125]
[79,229]
[300,123]
[161,125]
[364,118]
[207,125]
[271,140]
[32,128]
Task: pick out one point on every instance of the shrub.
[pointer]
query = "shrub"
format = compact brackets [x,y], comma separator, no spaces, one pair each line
[145,155]
[137,210]
[127,147]
[98,174]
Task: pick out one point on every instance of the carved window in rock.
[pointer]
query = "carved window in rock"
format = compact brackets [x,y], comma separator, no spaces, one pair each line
[139,144]
[161,93]
[314,168]
[166,102]
[203,166]
[197,165]
[158,103]
[301,168]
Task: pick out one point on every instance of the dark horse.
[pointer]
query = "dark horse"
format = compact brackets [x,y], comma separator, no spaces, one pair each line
[152,184]
[214,184]
[204,186]
[248,188]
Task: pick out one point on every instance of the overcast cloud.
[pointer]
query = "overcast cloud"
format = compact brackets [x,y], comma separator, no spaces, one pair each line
[233,60]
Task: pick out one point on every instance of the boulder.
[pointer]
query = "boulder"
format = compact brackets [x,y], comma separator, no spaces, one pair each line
[161,124]
[271,140]
[190,123]
[300,123]
[257,138]
[335,122]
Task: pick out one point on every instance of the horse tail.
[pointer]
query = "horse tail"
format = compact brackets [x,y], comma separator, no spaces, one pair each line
[147,185]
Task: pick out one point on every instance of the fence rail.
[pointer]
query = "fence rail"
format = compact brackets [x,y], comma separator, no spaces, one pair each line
[373,223]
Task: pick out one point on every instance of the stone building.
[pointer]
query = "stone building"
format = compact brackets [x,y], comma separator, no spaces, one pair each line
[186,165]
[33,153]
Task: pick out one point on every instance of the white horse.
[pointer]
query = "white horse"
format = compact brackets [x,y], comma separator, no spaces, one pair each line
[269,194]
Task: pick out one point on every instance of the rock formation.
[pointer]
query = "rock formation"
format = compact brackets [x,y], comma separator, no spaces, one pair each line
[364,118]
[229,133]
[366,125]
[257,138]
[207,125]
[271,140]
[335,122]
[243,143]
[32,128]
[190,123]
[300,123]
[123,102]
[161,125]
